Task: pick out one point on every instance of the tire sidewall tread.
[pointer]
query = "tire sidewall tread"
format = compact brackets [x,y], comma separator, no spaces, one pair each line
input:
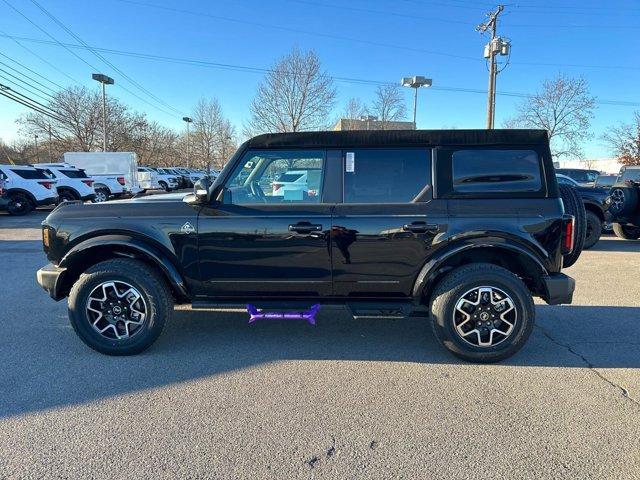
[458,281]
[144,278]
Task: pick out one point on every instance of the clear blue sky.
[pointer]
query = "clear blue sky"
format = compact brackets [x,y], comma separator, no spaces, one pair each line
[380,40]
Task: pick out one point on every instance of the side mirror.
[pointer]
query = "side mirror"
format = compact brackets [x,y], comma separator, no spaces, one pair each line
[201,189]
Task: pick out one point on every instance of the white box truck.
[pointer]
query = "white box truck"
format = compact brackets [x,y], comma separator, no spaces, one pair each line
[115,173]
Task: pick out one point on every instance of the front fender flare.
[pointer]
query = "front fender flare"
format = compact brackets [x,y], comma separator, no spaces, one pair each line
[129,242]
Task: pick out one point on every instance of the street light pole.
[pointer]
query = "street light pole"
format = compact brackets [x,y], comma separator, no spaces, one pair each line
[104,80]
[35,137]
[49,142]
[188,120]
[415,83]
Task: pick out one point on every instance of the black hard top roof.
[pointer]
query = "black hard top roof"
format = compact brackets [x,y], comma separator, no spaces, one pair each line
[381,138]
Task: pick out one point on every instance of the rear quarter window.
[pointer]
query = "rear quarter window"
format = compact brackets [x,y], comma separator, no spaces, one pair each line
[485,171]
[74,173]
[29,174]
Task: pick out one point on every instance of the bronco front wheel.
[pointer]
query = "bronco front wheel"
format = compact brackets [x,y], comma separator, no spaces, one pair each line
[120,306]
[482,313]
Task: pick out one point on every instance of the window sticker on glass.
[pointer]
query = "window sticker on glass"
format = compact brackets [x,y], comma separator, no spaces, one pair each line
[350,162]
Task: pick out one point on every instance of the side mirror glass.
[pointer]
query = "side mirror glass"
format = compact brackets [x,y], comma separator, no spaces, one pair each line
[201,189]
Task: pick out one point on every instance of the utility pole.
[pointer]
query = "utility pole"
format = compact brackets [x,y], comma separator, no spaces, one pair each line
[104,80]
[188,120]
[496,46]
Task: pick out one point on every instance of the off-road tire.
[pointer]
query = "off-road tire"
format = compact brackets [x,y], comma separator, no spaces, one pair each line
[462,279]
[594,230]
[146,280]
[626,232]
[573,206]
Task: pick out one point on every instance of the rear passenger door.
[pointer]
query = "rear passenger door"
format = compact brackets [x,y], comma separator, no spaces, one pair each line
[387,224]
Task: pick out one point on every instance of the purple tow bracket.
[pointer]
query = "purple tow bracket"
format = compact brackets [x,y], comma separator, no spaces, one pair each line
[308,315]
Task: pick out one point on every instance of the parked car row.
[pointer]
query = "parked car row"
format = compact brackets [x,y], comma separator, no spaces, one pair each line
[86,176]
[170,178]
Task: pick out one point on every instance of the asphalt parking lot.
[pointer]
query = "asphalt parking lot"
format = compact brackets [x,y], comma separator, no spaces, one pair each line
[215,397]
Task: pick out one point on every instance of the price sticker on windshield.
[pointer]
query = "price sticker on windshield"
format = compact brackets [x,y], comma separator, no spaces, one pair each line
[350,162]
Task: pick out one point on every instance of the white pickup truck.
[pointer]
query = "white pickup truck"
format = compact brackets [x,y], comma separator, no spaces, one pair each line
[115,173]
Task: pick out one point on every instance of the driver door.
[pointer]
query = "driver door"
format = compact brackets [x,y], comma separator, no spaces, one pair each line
[264,239]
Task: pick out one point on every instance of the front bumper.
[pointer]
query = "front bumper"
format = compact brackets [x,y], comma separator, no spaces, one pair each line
[47,201]
[558,288]
[51,278]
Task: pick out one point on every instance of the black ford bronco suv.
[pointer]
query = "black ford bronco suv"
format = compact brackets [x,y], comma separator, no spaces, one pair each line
[465,225]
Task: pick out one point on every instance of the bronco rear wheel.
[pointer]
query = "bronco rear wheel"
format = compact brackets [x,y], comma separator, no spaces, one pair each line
[482,313]
[120,306]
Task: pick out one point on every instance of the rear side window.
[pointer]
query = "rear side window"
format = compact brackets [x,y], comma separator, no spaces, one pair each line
[386,175]
[29,174]
[74,173]
[496,171]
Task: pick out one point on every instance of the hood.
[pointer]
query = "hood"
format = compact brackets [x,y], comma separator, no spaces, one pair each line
[164,197]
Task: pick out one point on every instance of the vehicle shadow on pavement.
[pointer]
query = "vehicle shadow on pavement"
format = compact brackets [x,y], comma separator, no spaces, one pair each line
[614,244]
[53,368]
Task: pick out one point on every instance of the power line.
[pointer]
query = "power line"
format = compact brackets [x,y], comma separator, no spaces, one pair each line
[120,52]
[80,58]
[261,70]
[28,77]
[295,30]
[131,80]
[4,34]
[11,94]
[30,70]
[19,84]
[443,20]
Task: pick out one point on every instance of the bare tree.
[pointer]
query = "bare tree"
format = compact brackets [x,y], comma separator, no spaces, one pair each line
[564,108]
[624,141]
[355,109]
[388,105]
[78,123]
[213,136]
[295,95]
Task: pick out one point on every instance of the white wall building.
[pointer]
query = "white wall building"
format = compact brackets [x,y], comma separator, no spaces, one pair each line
[605,165]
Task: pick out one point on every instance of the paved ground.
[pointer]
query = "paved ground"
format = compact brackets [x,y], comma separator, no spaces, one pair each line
[346,399]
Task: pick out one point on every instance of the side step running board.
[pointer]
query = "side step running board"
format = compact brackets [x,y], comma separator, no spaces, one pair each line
[358,309]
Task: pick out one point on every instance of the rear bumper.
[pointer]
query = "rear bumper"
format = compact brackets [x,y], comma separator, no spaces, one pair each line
[53,200]
[88,198]
[558,289]
[51,278]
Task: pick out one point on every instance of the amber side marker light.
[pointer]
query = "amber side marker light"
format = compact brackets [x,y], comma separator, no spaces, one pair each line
[45,237]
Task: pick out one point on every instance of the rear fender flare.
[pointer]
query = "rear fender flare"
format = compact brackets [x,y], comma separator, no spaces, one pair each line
[435,265]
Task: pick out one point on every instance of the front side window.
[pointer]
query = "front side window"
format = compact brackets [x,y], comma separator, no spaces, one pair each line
[496,171]
[386,175]
[277,176]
